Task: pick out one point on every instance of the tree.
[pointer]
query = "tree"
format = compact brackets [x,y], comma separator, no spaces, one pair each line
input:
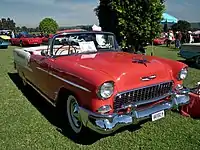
[24,28]
[181,25]
[7,24]
[108,17]
[136,20]
[48,25]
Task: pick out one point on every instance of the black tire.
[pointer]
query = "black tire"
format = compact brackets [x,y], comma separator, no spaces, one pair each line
[21,44]
[68,110]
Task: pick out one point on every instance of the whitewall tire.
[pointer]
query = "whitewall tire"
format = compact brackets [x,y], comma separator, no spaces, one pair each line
[73,114]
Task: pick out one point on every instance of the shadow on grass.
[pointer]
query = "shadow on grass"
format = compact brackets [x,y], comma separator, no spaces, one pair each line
[49,112]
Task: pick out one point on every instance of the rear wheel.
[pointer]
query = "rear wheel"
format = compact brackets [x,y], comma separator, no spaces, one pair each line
[21,44]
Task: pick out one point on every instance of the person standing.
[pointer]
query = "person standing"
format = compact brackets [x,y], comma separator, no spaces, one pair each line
[176,39]
[170,38]
[190,37]
[12,35]
[179,38]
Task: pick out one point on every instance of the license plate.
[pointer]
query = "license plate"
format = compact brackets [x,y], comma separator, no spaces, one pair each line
[158,115]
[35,43]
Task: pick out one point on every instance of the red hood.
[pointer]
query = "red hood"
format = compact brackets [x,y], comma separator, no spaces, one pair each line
[120,67]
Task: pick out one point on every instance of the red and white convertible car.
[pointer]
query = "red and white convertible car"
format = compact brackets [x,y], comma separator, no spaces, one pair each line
[97,85]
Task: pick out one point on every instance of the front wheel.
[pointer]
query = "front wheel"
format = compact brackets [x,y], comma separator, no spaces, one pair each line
[73,114]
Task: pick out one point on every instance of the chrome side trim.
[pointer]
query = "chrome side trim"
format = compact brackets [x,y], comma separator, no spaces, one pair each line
[69,82]
[66,81]
[45,97]
[41,69]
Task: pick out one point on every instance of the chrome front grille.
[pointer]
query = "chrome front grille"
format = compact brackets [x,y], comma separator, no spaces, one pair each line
[143,95]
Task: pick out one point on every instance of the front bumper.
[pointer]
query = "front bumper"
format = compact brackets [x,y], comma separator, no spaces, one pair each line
[106,124]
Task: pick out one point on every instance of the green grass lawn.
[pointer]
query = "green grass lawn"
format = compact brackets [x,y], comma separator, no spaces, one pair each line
[28,122]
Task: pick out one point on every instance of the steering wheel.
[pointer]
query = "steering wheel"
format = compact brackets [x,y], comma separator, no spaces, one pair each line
[75,49]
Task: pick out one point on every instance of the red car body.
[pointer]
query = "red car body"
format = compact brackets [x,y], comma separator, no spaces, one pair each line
[159,41]
[26,40]
[142,85]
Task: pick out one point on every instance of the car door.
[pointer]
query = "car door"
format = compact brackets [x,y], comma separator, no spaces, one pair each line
[16,40]
[40,78]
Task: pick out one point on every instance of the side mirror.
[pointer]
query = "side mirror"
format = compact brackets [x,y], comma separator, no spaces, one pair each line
[44,52]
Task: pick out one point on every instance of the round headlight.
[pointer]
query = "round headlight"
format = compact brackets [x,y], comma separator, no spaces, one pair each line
[106,90]
[183,74]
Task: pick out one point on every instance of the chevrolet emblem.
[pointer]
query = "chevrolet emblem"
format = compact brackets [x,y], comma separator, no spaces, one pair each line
[148,78]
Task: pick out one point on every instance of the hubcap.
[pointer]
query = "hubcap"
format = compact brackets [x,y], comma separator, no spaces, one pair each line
[75,115]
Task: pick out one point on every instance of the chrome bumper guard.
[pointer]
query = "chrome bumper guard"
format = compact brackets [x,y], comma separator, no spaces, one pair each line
[107,124]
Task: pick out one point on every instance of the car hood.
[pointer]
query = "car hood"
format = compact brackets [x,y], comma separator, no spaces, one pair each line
[125,70]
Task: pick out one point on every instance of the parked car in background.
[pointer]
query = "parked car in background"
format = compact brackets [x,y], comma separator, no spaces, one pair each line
[191,52]
[3,44]
[160,41]
[96,85]
[25,40]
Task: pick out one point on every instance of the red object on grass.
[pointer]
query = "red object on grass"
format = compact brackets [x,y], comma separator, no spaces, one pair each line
[193,108]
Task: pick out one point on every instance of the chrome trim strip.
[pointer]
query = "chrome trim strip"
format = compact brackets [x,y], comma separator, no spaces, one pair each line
[66,81]
[45,97]
[69,82]
[41,69]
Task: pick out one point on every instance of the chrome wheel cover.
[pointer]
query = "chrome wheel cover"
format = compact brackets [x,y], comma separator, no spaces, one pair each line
[73,114]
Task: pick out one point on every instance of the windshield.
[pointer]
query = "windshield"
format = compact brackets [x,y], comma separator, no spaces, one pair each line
[84,43]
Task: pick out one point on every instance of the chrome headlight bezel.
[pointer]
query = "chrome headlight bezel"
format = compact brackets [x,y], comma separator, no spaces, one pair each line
[106,90]
[183,73]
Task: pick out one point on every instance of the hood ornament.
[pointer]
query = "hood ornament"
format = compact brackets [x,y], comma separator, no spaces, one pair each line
[141,61]
[148,78]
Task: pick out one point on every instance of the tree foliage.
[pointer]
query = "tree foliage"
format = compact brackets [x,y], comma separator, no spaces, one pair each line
[181,25]
[48,25]
[107,17]
[136,20]
[7,24]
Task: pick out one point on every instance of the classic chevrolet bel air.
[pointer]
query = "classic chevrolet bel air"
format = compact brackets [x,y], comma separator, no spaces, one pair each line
[99,86]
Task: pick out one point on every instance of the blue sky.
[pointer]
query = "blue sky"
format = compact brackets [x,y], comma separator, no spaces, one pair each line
[73,12]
